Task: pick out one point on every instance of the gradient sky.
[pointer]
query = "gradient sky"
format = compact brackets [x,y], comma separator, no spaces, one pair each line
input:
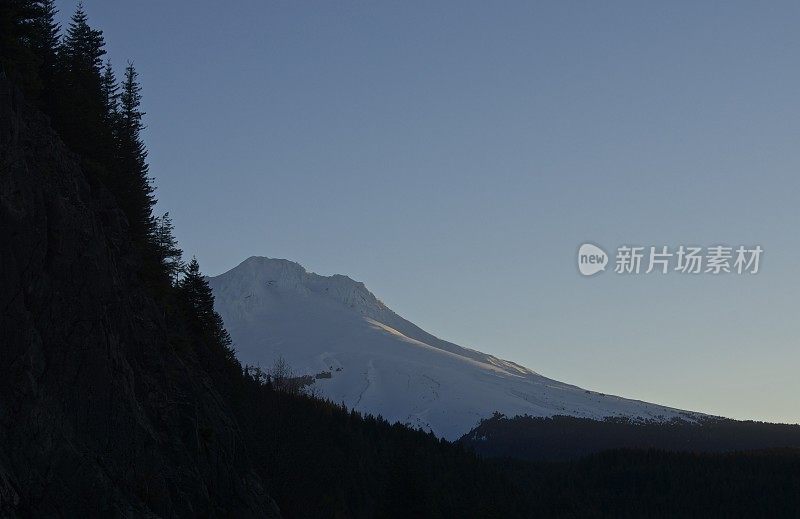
[454,155]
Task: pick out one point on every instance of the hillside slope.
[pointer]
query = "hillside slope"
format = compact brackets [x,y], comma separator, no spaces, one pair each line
[99,415]
[380,363]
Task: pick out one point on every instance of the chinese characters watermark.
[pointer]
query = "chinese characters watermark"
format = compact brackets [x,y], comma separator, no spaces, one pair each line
[629,259]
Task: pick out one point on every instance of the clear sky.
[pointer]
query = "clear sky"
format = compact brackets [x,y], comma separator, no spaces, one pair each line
[454,155]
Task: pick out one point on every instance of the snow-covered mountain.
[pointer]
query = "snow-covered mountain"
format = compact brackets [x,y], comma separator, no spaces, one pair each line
[383,364]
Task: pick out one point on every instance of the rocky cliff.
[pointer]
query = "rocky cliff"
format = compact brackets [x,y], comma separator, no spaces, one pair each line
[99,414]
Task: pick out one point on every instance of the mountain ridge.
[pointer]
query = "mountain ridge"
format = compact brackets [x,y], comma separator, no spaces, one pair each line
[355,295]
[381,363]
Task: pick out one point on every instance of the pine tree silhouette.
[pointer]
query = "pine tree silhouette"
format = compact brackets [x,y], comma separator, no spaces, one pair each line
[80,112]
[197,296]
[18,19]
[168,249]
[45,46]
[110,92]
[136,190]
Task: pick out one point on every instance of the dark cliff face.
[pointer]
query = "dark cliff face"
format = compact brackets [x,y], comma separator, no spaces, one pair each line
[98,413]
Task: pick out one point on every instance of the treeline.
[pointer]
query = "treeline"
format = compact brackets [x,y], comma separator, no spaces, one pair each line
[655,483]
[319,459]
[97,116]
[100,119]
[560,438]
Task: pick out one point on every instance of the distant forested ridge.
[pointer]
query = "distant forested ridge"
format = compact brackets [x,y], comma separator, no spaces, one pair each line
[560,438]
[120,391]
[655,483]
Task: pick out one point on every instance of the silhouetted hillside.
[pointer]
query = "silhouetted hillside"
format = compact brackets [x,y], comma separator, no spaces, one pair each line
[99,412]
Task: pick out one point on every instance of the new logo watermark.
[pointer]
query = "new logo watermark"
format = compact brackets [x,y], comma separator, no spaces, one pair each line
[591,259]
[630,259]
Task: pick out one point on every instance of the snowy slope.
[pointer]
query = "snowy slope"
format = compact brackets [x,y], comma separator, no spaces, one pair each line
[383,364]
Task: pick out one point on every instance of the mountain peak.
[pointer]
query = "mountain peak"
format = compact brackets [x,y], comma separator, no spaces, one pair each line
[259,273]
[376,361]
[261,265]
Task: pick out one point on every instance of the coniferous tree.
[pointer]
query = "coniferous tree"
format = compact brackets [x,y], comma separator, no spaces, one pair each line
[80,114]
[168,249]
[17,29]
[109,88]
[45,46]
[83,47]
[45,29]
[198,298]
[195,291]
[136,193]
[110,92]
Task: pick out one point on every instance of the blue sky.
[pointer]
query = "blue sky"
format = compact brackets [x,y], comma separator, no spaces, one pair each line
[454,155]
